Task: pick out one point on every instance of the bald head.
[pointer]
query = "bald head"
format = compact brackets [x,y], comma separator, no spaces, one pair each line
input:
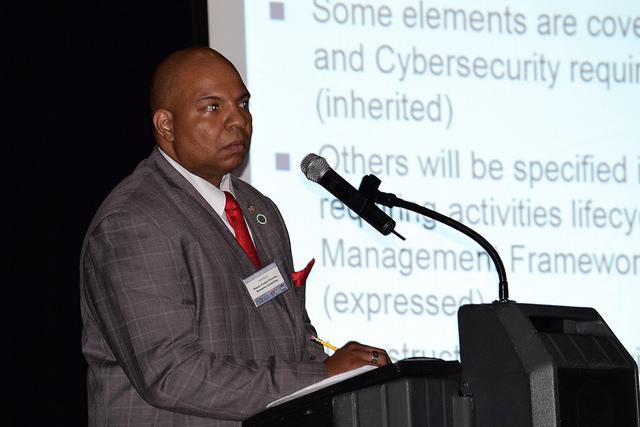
[201,116]
[168,79]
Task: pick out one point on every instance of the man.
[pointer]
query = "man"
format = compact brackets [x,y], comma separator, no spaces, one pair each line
[173,334]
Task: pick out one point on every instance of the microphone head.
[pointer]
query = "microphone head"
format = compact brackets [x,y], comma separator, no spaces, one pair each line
[314,167]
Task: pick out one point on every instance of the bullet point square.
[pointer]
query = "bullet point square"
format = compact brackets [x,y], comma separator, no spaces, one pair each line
[276,10]
[282,162]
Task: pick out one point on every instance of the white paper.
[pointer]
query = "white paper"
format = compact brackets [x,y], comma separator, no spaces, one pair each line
[322,384]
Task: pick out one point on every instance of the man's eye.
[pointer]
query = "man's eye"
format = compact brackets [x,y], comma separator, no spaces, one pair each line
[211,107]
[245,104]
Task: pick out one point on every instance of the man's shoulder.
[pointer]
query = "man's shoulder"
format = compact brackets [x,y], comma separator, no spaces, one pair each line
[146,192]
[141,186]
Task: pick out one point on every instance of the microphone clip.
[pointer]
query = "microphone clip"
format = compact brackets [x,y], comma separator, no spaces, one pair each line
[369,189]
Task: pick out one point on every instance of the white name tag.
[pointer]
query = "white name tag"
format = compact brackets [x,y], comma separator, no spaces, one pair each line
[265,284]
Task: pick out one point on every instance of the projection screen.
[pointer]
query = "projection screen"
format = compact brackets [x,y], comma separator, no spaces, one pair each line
[518,118]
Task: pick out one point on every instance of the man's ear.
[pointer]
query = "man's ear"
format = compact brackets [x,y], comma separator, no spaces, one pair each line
[163,125]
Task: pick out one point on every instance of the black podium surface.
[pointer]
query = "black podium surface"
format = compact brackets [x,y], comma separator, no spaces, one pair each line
[411,392]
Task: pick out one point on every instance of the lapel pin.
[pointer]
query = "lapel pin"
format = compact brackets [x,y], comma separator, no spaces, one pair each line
[261,219]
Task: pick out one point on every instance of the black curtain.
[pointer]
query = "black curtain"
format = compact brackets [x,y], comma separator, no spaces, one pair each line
[83,124]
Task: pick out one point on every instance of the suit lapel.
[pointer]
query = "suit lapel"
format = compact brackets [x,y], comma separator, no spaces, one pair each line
[268,240]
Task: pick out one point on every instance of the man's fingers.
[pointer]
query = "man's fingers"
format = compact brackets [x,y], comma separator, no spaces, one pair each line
[373,355]
[353,355]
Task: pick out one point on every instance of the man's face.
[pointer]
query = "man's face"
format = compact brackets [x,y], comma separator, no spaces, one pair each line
[211,119]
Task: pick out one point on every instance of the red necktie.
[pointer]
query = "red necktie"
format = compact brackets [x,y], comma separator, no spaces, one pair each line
[236,219]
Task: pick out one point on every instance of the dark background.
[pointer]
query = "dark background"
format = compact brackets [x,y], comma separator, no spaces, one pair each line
[83,124]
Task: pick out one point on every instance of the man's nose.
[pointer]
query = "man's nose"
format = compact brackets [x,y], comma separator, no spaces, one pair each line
[237,118]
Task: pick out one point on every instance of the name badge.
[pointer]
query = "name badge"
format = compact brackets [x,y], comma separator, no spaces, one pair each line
[265,284]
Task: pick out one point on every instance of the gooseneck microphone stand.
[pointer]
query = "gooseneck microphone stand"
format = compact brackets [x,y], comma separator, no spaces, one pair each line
[369,188]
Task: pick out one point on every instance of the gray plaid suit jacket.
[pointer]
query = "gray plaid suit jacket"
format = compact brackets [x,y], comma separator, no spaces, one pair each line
[170,334]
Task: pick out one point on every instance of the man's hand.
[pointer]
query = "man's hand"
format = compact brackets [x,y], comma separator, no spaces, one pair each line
[353,355]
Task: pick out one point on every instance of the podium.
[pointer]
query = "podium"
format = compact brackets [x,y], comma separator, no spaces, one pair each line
[531,365]
[523,365]
[409,393]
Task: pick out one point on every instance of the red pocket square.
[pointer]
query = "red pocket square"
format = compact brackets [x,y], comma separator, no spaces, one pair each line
[299,278]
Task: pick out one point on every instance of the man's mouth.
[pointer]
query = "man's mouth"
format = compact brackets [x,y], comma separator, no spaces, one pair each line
[236,146]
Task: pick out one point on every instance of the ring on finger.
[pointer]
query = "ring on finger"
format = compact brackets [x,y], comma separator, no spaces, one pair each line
[374,357]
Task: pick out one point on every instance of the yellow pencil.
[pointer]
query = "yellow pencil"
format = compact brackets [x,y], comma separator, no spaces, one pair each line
[324,343]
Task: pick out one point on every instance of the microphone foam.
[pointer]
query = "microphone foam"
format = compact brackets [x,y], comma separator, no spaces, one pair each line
[314,167]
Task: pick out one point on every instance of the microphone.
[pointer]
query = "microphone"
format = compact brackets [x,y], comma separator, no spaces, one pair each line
[317,169]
